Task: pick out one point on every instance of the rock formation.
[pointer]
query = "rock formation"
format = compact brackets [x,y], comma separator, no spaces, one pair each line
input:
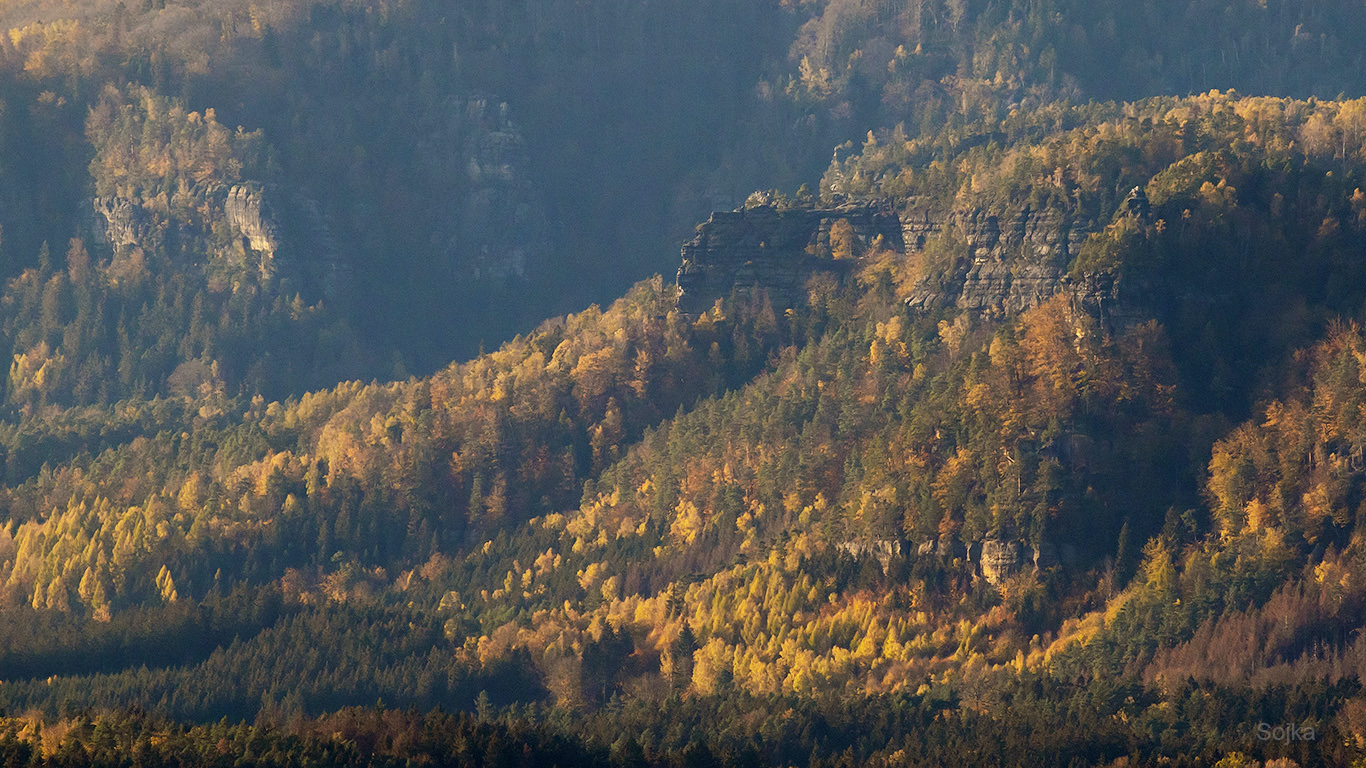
[1136,204]
[945,549]
[776,250]
[881,549]
[122,222]
[1001,263]
[252,218]
[290,236]
[491,224]
[1013,262]
[996,559]
[1017,261]
[1001,559]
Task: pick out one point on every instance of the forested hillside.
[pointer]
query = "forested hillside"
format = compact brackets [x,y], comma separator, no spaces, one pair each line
[1025,430]
[438,176]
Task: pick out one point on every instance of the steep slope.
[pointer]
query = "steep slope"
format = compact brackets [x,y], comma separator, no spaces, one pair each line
[916,481]
[425,165]
[1032,437]
[441,175]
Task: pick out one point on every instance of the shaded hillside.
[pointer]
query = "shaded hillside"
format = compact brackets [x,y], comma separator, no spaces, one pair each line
[996,467]
[423,167]
[438,177]
[1031,436]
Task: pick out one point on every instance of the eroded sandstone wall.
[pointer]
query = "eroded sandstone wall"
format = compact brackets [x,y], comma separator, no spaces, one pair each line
[776,250]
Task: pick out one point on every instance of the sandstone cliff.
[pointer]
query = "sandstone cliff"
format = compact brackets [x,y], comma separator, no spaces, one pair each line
[252,218]
[490,223]
[285,235]
[777,250]
[1014,261]
[1002,263]
[1011,262]
[120,221]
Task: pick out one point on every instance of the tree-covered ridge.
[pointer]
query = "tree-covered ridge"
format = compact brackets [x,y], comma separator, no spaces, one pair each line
[1234,188]
[376,473]
[938,64]
[1087,158]
[762,543]
[635,503]
[744,731]
[1117,526]
[440,144]
[840,451]
[355,470]
[1266,589]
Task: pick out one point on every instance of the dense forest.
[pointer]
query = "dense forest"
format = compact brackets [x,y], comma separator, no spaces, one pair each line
[1070,472]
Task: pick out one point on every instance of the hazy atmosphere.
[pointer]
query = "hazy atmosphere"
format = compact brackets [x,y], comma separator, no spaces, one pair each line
[673,383]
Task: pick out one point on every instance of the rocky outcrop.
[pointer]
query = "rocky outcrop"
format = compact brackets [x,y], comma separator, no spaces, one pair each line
[776,250]
[998,263]
[881,549]
[998,559]
[1136,204]
[122,222]
[1046,555]
[945,549]
[1001,559]
[1014,262]
[288,235]
[252,218]
[491,223]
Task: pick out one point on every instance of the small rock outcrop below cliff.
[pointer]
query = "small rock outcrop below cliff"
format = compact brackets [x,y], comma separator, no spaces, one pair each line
[1136,204]
[122,222]
[777,250]
[1001,559]
[251,218]
[288,236]
[490,223]
[998,559]
[881,549]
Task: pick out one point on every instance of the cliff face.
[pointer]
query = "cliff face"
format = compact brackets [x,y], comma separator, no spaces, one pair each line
[1002,263]
[1017,260]
[120,221]
[251,218]
[1014,262]
[284,234]
[777,250]
[274,234]
[1010,262]
[492,225]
